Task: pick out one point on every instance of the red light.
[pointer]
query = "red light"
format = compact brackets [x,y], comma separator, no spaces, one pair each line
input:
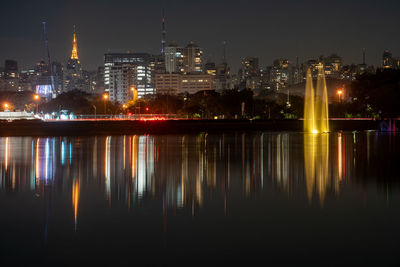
[129,114]
[147,109]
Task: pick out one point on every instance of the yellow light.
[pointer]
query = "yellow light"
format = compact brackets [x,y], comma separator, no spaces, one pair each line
[5,105]
[339,92]
[314,131]
[124,106]
[105,96]
[36,97]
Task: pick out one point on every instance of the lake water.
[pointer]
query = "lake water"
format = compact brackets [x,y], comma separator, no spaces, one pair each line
[201,199]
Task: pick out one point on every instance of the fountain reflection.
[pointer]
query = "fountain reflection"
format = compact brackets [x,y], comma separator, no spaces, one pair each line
[316,158]
[75,199]
[192,171]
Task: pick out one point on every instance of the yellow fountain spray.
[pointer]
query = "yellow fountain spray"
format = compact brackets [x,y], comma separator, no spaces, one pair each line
[316,116]
[309,112]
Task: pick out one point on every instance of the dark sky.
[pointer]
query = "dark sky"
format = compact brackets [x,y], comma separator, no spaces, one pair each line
[267,29]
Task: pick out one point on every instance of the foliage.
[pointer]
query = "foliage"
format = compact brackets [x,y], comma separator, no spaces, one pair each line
[376,94]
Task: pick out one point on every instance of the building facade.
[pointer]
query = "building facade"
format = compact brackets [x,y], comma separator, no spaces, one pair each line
[176,83]
[193,58]
[174,59]
[125,71]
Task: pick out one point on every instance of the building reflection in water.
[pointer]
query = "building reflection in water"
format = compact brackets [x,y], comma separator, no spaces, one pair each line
[191,171]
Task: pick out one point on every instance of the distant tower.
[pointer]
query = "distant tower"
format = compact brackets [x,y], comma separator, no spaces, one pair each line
[73,73]
[74,54]
[46,77]
[163,34]
[224,52]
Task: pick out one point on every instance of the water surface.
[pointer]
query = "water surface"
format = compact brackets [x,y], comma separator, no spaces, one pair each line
[206,198]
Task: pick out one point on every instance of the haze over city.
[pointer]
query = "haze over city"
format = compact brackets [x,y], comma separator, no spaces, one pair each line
[266,29]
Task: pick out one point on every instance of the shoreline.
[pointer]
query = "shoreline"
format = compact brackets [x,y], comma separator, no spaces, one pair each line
[122,127]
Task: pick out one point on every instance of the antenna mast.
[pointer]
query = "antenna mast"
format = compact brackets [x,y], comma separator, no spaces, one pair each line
[46,42]
[163,34]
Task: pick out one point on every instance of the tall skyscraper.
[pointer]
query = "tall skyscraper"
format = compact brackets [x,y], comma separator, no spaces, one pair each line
[193,58]
[174,58]
[250,67]
[11,76]
[280,73]
[387,60]
[188,59]
[73,72]
[124,71]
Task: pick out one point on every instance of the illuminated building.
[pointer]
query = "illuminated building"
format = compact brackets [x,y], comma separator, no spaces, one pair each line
[222,77]
[387,60]
[11,69]
[27,79]
[188,59]
[174,58]
[176,83]
[193,58]
[210,68]
[122,71]
[10,77]
[42,80]
[333,65]
[250,67]
[280,73]
[157,64]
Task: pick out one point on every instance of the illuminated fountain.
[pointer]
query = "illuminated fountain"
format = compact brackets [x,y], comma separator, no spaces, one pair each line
[316,147]
[316,117]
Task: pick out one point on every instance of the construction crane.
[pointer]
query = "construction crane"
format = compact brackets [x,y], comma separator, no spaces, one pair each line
[46,43]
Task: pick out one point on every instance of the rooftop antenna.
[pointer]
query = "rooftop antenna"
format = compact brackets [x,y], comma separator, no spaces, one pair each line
[224,52]
[163,34]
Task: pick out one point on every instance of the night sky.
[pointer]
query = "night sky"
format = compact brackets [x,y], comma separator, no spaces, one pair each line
[267,29]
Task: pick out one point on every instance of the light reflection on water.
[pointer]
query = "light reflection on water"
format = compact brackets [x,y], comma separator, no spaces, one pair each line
[182,168]
[197,172]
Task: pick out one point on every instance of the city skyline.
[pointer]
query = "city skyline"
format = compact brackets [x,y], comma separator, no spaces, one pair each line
[22,41]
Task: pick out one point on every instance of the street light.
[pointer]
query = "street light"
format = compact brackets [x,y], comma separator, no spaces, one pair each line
[105,97]
[6,106]
[340,92]
[36,98]
[124,107]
